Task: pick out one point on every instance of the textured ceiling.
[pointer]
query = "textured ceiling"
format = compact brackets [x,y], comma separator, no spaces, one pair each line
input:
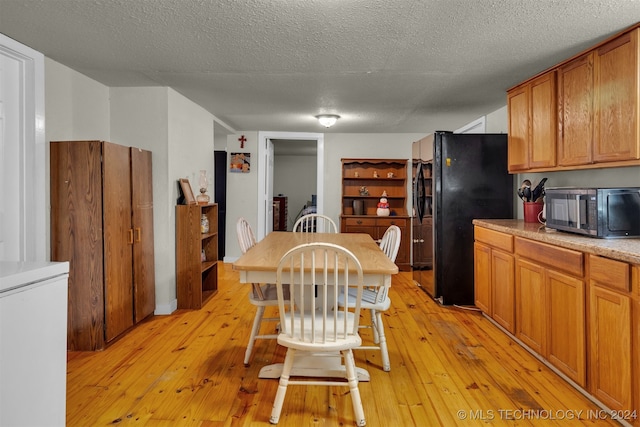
[384,66]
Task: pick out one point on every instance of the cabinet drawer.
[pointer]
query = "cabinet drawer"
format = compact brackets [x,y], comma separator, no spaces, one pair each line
[359,222]
[493,238]
[386,222]
[559,258]
[614,274]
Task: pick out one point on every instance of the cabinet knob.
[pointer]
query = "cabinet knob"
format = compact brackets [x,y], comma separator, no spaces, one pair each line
[138,234]
[359,222]
[130,239]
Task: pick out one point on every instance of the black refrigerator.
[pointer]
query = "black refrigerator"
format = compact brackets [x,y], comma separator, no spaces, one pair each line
[469,180]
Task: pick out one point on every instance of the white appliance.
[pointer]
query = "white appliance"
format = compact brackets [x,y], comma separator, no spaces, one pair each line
[33,343]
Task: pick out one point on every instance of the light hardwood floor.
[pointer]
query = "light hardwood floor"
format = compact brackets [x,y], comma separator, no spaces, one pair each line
[448,367]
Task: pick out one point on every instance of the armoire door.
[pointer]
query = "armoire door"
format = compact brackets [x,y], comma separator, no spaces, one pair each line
[76,236]
[118,239]
[144,290]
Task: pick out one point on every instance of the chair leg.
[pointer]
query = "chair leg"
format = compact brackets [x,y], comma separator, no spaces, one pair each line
[352,378]
[374,326]
[386,364]
[282,386]
[257,320]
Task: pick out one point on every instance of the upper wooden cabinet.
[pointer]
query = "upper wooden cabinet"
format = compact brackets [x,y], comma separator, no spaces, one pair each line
[616,93]
[532,124]
[583,113]
[575,82]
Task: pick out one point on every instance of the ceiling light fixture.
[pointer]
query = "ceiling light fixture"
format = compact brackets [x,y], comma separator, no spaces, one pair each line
[327,120]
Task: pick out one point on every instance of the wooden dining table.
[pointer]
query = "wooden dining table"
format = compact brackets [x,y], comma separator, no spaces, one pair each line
[260,263]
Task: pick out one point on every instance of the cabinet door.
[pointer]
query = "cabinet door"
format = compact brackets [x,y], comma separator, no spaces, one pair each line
[531,299]
[503,289]
[405,248]
[544,119]
[575,93]
[610,347]
[118,240]
[616,125]
[143,253]
[427,236]
[518,113]
[482,277]
[567,350]
[76,236]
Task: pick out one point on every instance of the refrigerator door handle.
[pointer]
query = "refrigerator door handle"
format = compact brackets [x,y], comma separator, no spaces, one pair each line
[420,192]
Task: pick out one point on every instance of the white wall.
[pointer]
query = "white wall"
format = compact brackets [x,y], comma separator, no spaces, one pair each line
[179,133]
[242,191]
[76,108]
[295,177]
[497,121]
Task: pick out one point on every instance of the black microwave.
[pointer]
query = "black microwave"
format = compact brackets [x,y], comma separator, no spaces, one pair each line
[596,212]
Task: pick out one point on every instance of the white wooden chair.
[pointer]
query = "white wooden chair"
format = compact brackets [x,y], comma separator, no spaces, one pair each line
[312,223]
[261,296]
[310,321]
[377,300]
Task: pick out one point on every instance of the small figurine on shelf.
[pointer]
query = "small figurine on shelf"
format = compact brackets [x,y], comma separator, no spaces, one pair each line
[364,191]
[356,174]
[389,174]
[375,174]
[383,206]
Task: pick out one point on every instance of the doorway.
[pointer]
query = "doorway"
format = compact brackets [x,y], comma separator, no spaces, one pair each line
[266,166]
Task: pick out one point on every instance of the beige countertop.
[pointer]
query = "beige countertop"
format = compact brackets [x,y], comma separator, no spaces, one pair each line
[623,249]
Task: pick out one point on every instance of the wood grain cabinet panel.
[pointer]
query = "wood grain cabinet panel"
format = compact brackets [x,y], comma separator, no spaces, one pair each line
[567,324]
[617,136]
[531,306]
[518,113]
[503,289]
[102,223]
[532,110]
[575,96]
[482,277]
[610,347]
[494,275]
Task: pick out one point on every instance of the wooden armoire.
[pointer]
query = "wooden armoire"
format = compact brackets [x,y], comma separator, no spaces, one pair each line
[102,223]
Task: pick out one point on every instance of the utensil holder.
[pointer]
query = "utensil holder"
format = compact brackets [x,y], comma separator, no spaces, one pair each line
[532,211]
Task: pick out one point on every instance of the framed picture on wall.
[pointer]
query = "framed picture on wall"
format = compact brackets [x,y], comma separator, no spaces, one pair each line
[240,162]
[187,192]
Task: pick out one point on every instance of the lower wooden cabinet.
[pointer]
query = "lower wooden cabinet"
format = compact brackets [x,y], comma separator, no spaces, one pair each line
[550,305]
[578,311]
[567,321]
[503,286]
[610,323]
[494,276]
[482,277]
[376,226]
[531,306]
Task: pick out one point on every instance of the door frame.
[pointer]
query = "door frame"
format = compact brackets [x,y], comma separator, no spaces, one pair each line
[265,210]
[28,209]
